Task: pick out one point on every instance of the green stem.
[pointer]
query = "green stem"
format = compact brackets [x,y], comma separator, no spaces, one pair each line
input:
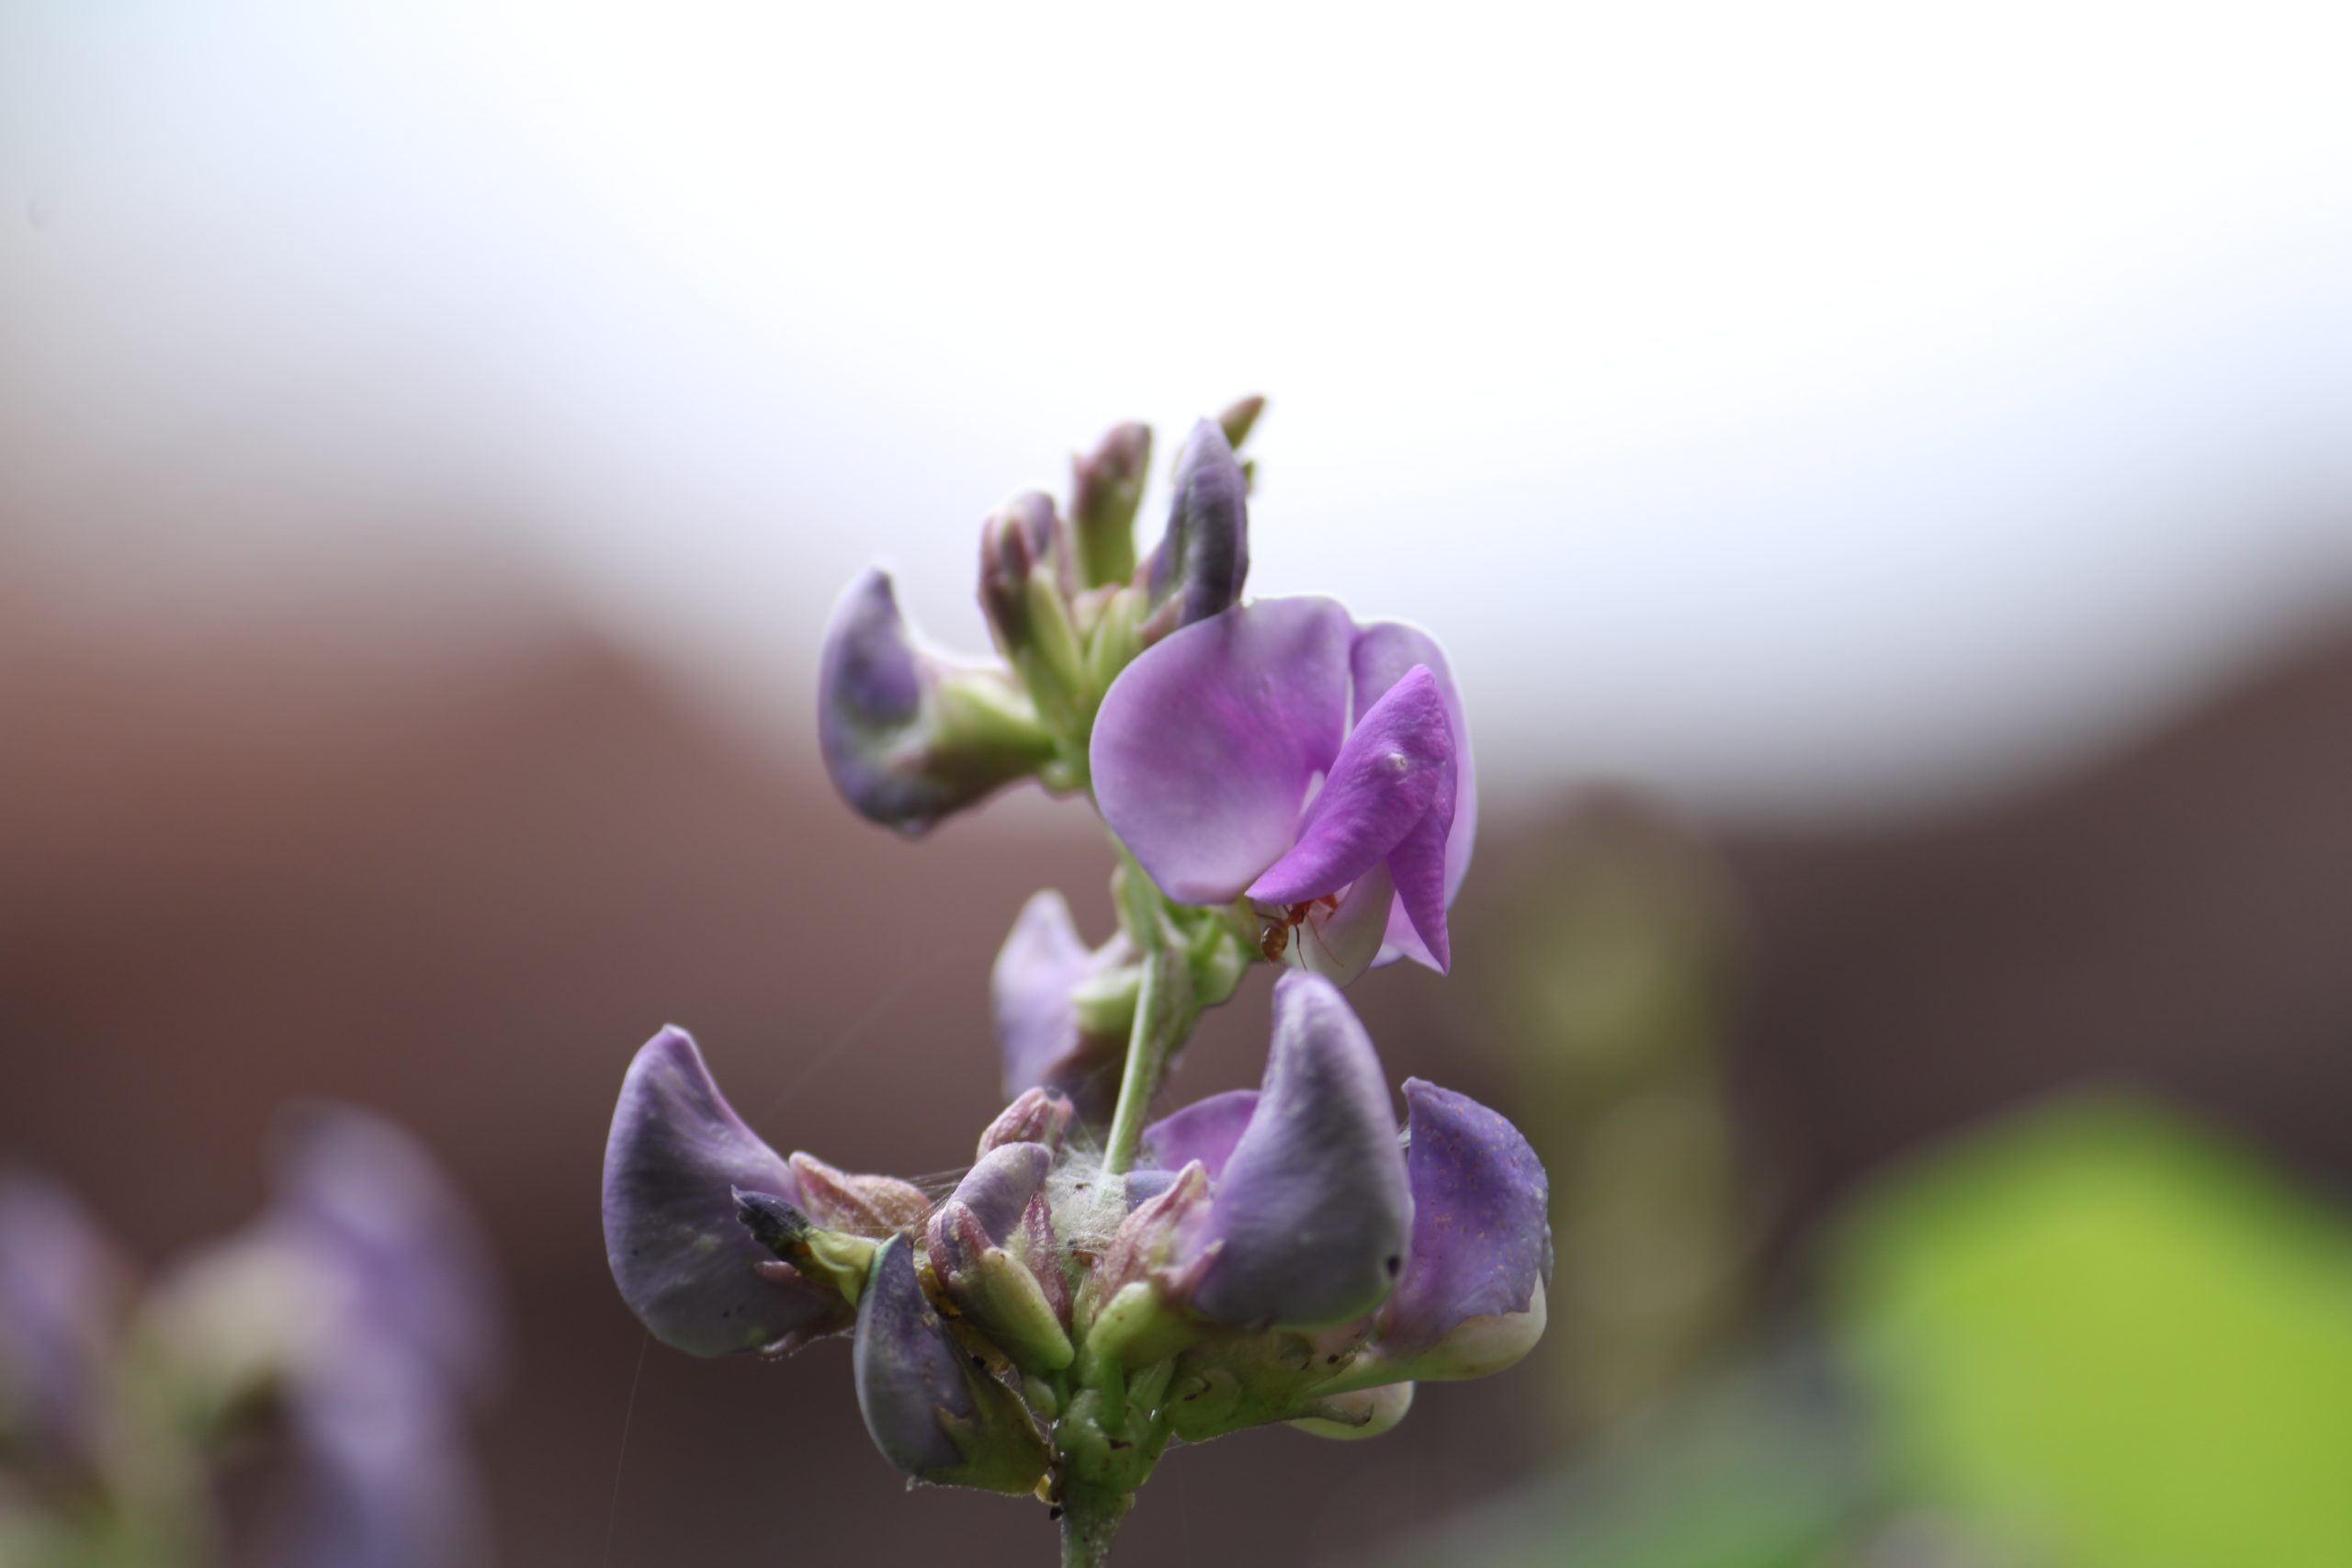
[1088,1521]
[1147,1048]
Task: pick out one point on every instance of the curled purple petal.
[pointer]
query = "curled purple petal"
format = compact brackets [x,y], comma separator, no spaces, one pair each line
[1391,775]
[355,1186]
[1206,746]
[1205,1130]
[909,737]
[1042,963]
[1385,653]
[1482,1246]
[61,1294]
[927,1409]
[1309,1224]
[689,1270]
[1203,560]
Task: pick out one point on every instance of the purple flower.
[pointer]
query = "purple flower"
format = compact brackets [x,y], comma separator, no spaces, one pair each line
[353,1188]
[908,733]
[1307,1220]
[1045,1042]
[63,1292]
[1281,752]
[1472,1299]
[685,1264]
[400,1334]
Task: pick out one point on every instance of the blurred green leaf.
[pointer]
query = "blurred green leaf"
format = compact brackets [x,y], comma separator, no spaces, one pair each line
[2114,1339]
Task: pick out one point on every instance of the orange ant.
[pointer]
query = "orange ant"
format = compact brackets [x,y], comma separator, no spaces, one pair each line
[1274,928]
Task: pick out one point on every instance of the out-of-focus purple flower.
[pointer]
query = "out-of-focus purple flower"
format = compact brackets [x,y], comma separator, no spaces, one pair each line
[380,1472]
[1308,1222]
[1045,1042]
[1204,559]
[62,1292]
[1472,1298]
[1321,769]
[360,1192]
[910,734]
[931,1413]
[683,1261]
[406,1334]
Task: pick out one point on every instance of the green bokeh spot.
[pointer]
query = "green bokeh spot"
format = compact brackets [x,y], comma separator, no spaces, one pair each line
[2111,1337]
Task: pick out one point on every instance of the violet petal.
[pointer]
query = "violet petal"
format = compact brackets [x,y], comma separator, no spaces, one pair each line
[689,1270]
[913,1382]
[61,1294]
[997,1191]
[363,1191]
[1206,745]
[1205,1130]
[1391,773]
[1311,1218]
[1482,1246]
[1384,652]
[1043,960]
[1203,559]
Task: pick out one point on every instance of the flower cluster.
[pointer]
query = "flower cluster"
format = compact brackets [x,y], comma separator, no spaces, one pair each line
[1284,784]
[349,1330]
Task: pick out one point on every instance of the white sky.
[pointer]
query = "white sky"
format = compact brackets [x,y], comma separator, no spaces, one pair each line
[1794,407]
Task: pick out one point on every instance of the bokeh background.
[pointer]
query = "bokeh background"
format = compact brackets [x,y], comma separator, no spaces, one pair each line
[1882,480]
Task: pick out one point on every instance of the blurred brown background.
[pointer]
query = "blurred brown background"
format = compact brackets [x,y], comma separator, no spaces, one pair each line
[1882,484]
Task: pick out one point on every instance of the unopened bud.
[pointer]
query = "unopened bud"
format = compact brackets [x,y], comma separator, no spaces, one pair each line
[1036,1115]
[1239,419]
[1203,560]
[934,1414]
[864,1205]
[1107,487]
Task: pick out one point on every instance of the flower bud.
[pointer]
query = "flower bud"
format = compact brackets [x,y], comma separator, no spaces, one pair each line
[1036,1115]
[1024,538]
[1309,1226]
[995,1255]
[1239,419]
[1204,559]
[909,736]
[1105,488]
[688,1267]
[931,1413]
[863,1205]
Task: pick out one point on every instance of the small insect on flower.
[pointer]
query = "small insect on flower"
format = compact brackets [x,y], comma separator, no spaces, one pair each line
[1274,926]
